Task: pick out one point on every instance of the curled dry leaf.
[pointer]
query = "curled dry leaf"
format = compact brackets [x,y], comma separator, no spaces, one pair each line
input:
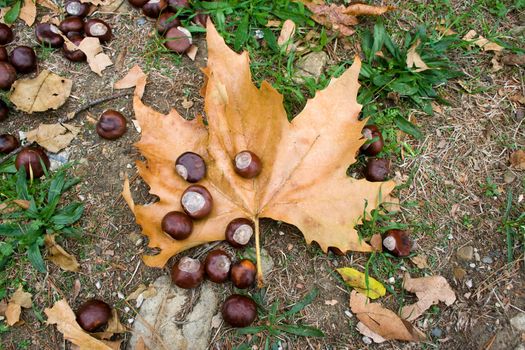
[53,137]
[420,261]
[429,290]
[135,77]
[367,10]
[299,184]
[482,42]
[59,256]
[46,91]
[382,321]
[366,285]
[28,12]
[19,300]
[96,58]
[62,315]
[517,159]
[114,327]
[413,58]
[364,330]
[286,35]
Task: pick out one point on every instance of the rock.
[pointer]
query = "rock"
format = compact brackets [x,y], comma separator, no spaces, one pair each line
[459,273]
[266,262]
[509,177]
[436,332]
[487,260]
[159,323]
[518,322]
[310,66]
[465,253]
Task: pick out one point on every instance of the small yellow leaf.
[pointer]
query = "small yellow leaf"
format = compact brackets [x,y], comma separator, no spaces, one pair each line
[370,287]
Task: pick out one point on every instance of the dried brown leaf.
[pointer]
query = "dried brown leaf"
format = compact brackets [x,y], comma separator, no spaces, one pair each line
[517,159]
[299,183]
[59,256]
[364,330]
[333,17]
[50,5]
[19,300]
[135,77]
[65,319]
[513,59]
[367,10]
[22,203]
[414,60]
[46,91]
[192,52]
[383,321]
[429,290]
[482,42]
[28,12]
[286,35]
[445,30]
[96,58]
[376,242]
[420,261]
[53,137]
[114,327]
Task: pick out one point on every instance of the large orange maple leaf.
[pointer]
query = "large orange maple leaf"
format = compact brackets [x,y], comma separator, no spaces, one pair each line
[303,181]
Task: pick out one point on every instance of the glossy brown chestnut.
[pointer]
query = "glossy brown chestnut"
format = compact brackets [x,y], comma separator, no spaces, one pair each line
[177,224]
[247,164]
[178,39]
[371,132]
[153,8]
[190,166]
[97,28]
[196,201]
[176,5]
[217,266]
[48,34]
[239,310]
[74,55]
[187,273]
[7,75]
[3,54]
[377,169]
[111,125]
[4,110]
[72,24]
[23,58]
[239,232]
[93,315]
[166,21]
[397,242]
[6,34]
[8,143]
[31,158]
[77,8]
[243,273]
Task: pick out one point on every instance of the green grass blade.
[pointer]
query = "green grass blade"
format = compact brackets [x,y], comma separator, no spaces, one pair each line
[300,330]
[35,257]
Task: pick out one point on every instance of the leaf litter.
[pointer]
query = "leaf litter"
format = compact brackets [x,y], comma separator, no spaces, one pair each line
[18,300]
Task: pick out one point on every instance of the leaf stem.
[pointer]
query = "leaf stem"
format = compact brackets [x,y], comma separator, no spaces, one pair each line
[260,279]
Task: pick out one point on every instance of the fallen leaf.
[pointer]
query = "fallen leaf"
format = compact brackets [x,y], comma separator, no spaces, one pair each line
[513,59]
[364,330]
[53,137]
[53,19]
[298,184]
[496,65]
[333,17]
[273,23]
[76,290]
[517,98]
[376,242]
[22,203]
[112,6]
[65,319]
[135,77]
[19,300]
[192,52]
[420,261]
[286,35]
[482,42]
[382,321]
[413,58]
[429,290]
[114,327]
[331,302]
[59,256]
[46,91]
[517,159]
[445,30]
[370,287]
[391,204]
[50,5]
[146,292]
[28,12]
[367,10]
[96,58]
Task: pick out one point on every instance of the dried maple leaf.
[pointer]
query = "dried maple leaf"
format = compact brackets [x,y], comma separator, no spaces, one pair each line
[96,58]
[303,180]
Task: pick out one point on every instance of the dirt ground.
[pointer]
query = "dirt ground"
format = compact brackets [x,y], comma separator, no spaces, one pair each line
[464,145]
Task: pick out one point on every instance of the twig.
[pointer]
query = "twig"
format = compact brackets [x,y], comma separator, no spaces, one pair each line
[94,103]
[260,278]
[16,151]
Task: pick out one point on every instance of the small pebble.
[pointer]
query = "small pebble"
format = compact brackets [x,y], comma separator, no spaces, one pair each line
[126,309]
[487,260]
[131,320]
[141,21]
[436,332]
[367,340]
[450,237]
[391,280]
[120,295]
[469,283]
[348,313]
[98,285]
[472,265]
[259,34]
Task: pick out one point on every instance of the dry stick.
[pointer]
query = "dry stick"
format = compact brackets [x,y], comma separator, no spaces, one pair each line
[9,155]
[260,281]
[96,102]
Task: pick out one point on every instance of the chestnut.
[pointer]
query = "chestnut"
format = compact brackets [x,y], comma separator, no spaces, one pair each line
[6,34]
[75,55]
[137,3]
[48,34]
[176,5]
[377,169]
[23,58]
[72,24]
[177,224]
[111,125]
[166,21]
[190,166]
[217,266]
[239,310]
[7,75]
[243,273]
[239,232]
[247,164]
[371,132]
[8,143]
[4,110]
[178,39]
[98,28]
[397,242]
[93,315]
[187,273]
[153,8]
[196,201]
[77,8]
[3,54]
[32,159]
